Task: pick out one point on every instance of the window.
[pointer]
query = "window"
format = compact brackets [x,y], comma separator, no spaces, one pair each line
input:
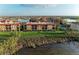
[53,26]
[18,28]
[34,27]
[23,27]
[8,27]
[44,27]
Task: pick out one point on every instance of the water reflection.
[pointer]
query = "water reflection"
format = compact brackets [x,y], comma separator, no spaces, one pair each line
[67,48]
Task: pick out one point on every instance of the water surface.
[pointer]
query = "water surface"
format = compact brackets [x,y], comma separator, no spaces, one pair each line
[67,48]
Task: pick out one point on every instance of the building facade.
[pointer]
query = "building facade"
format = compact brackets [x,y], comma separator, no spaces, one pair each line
[25,25]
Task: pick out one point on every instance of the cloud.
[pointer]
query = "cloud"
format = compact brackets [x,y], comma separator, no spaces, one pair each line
[50,5]
[38,5]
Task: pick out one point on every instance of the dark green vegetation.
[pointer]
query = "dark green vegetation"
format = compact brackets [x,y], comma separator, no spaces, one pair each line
[10,42]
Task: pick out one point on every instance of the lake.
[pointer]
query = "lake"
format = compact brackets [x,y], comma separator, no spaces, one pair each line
[67,48]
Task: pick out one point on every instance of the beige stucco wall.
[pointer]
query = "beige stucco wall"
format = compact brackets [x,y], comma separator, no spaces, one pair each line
[49,27]
[39,27]
[13,27]
[2,28]
[29,27]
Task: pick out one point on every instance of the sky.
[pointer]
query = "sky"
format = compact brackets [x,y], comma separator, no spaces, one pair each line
[39,9]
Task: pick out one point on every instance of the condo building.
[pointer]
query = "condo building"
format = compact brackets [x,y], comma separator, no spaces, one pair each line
[26,25]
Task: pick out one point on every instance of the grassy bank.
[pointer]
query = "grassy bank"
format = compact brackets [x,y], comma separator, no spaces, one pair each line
[10,42]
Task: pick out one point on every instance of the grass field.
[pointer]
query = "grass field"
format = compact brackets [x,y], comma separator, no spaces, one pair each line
[5,35]
[40,33]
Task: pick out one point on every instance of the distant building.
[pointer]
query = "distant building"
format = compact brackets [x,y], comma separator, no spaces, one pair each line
[75,26]
[69,21]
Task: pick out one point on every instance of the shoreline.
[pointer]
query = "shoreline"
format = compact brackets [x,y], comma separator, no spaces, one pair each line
[16,41]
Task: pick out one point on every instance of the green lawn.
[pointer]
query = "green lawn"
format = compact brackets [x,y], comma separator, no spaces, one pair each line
[42,34]
[6,35]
